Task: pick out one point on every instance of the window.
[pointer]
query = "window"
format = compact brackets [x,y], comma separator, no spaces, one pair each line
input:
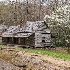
[43,41]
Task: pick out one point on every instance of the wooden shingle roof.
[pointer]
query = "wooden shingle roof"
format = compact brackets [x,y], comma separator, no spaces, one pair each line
[24,31]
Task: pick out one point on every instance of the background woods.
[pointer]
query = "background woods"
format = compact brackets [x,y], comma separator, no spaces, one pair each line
[17,12]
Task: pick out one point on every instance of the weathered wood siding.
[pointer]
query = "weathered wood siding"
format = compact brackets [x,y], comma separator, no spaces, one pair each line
[42,39]
[38,40]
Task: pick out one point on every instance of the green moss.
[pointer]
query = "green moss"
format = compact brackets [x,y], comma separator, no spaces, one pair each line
[60,55]
[2,46]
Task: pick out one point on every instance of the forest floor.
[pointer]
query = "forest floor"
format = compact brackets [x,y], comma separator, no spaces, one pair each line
[11,59]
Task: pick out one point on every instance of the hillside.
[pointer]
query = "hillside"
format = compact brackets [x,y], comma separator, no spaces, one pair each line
[11,59]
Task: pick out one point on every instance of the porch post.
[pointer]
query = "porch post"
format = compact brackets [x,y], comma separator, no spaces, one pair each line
[12,40]
[18,40]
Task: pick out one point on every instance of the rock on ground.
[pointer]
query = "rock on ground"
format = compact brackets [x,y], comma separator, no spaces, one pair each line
[7,66]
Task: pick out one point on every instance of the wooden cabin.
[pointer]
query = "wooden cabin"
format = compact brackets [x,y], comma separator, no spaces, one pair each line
[32,34]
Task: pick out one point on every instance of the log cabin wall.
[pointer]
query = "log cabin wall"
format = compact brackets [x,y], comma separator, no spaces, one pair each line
[46,39]
[42,38]
[31,40]
[38,39]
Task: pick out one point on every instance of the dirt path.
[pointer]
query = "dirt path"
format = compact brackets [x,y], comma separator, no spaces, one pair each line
[30,61]
[40,62]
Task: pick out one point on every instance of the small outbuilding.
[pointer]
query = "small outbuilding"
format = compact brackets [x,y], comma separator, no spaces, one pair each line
[3,28]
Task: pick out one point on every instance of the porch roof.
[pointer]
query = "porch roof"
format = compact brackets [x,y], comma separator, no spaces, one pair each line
[23,34]
[10,31]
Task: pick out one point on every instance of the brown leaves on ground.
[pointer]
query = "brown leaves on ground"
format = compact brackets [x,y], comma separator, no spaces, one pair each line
[31,61]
